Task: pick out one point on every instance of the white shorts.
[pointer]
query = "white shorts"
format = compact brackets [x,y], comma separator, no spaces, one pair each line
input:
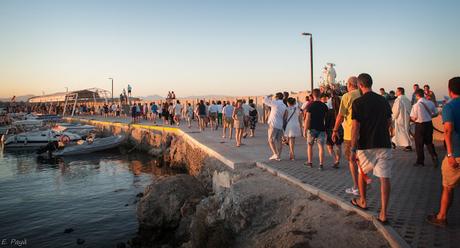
[379,160]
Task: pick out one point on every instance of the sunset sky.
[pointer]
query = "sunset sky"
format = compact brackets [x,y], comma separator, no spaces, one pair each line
[222,47]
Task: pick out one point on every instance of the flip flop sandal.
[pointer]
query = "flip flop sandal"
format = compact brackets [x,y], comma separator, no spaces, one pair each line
[355,204]
[383,222]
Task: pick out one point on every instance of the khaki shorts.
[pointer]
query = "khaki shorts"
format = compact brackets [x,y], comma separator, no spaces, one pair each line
[378,160]
[228,121]
[450,176]
[213,116]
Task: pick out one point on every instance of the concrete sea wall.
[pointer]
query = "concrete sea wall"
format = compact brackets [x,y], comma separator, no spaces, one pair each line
[170,144]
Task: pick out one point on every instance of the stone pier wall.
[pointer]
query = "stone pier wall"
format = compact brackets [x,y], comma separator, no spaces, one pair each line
[170,144]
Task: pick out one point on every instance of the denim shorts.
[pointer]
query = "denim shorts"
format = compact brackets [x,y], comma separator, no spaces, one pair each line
[274,134]
[319,136]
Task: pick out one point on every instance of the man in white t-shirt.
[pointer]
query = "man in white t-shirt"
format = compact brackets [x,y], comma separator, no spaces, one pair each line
[219,113]
[114,109]
[275,124]
[227,113]
[213,110]
[177,112]
[422,112]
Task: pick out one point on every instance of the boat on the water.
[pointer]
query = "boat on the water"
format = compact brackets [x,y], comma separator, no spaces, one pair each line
[38,139]
[28,124]
[45,117]
[82,130]
[89,146]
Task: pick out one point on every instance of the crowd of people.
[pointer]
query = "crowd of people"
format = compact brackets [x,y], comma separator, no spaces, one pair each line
[353,121]
[237,116]
[369,126]
[373,124]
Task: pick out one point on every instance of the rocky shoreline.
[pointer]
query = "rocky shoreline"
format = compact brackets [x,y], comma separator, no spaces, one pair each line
[213,206]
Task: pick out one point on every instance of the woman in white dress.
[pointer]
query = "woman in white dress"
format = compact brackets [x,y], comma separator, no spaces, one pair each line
[293,121]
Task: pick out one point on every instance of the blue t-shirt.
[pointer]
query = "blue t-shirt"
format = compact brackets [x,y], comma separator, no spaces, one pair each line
[451,113]
[154,108]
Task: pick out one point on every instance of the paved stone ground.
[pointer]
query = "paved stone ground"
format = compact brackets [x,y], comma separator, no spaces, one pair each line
[415,190]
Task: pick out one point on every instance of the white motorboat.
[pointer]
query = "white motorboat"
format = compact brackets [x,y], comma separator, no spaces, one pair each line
[37,139]
[32,121]
[28,124]
[82,130]
[88,146]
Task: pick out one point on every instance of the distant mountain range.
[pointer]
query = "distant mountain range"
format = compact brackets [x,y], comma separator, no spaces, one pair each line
[158,97]
[205,97]
[152,98]
[23,98]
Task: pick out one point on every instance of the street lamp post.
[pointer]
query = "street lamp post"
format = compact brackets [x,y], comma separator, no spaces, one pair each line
[311,58]
[112,88]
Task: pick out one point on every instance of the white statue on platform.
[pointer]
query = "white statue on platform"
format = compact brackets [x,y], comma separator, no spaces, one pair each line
[329,75]
[324,76]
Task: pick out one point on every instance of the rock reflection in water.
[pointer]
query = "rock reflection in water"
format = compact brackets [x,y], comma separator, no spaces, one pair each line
[94,195]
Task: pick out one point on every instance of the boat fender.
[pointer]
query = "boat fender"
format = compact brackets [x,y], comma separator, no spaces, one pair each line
[64,139]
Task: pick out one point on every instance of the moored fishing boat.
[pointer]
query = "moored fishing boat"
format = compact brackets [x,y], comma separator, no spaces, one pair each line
[90,145]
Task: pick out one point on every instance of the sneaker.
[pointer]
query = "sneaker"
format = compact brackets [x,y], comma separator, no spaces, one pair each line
[336,165]
[320,167]
[352,191]
[273,157]
[308,164]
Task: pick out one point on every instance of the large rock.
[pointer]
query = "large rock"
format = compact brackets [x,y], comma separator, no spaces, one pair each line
[181,154]
[166,206]
[220,217]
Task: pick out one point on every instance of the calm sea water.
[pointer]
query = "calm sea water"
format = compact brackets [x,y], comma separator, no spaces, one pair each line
[93,194]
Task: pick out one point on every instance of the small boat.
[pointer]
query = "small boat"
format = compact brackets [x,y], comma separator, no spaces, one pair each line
[28,124]
[89,146]
[82,130]
[44,117]
[37,139]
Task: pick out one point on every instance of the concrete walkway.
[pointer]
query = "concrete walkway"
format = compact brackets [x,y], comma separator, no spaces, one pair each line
[415,190]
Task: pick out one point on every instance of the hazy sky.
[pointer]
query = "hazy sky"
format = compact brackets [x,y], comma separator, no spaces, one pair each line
[222,47]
